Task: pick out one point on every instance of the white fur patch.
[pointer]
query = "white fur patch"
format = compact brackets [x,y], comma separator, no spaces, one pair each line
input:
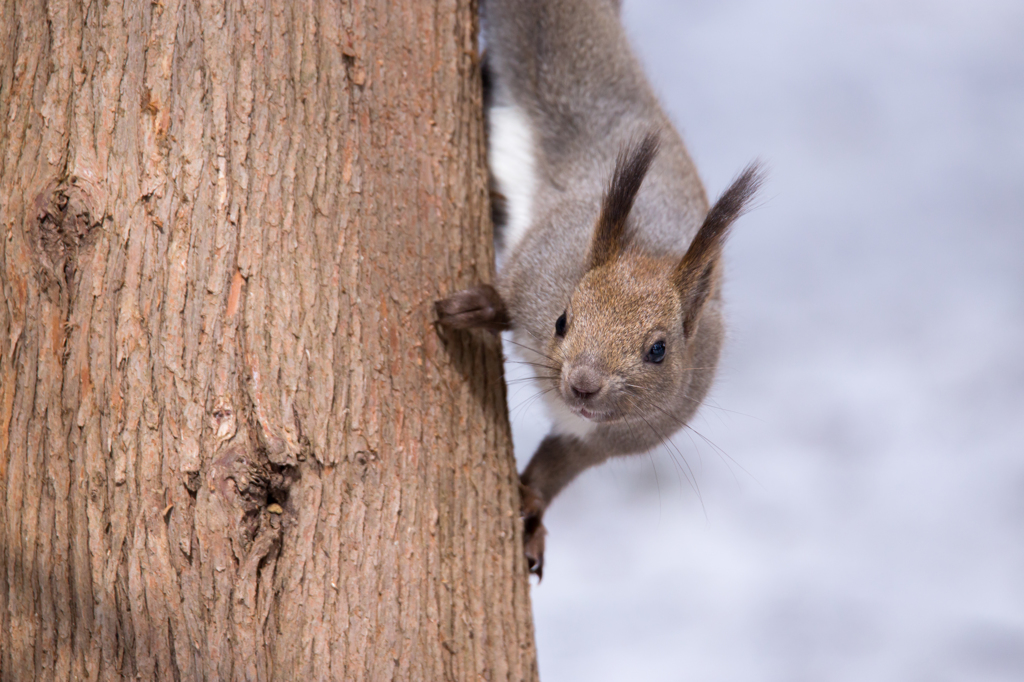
[564,421]
[513,166]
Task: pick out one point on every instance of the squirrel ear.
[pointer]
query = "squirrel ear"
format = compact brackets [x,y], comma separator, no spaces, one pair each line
[631,166]
[697,273]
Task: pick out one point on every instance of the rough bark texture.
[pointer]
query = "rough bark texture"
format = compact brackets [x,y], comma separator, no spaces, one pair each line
[232,445]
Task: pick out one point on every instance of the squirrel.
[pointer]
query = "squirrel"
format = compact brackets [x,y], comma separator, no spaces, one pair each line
[609,256]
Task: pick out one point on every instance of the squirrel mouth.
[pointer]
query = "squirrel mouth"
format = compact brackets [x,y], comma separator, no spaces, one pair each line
[593,416]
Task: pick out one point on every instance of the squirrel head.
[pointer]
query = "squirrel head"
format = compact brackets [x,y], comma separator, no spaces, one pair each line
[629,332]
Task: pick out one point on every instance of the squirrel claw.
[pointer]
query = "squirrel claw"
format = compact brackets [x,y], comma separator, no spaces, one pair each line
[533,548]
[533,530]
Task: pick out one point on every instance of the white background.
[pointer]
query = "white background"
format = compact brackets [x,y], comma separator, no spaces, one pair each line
[861,513]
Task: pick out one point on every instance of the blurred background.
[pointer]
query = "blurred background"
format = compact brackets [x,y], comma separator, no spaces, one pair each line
[855,509]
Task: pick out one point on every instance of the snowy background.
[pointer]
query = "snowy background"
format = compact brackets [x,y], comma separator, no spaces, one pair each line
[860,513]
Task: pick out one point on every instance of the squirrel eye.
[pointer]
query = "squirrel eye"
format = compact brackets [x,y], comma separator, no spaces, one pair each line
[656,353]
[560,325]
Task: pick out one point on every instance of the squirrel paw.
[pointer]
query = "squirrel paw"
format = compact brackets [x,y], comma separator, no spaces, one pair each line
[533,530]
[478,308]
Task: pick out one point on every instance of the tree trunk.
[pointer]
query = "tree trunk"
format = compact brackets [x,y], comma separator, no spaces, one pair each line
[232,445]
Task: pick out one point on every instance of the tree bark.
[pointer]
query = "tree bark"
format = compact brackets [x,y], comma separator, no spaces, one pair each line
[232,445]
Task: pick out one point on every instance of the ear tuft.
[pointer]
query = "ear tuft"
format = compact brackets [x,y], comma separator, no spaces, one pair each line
[695,275]
[631,167]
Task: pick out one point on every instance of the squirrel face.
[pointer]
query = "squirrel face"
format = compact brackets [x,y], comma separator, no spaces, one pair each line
[626,338]
[620,344]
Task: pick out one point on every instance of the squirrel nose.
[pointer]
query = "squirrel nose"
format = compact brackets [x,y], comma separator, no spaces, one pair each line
[585,382]
[582,394]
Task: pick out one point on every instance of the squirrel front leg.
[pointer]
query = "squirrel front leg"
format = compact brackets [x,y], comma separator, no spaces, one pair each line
[480,307]
[558,460]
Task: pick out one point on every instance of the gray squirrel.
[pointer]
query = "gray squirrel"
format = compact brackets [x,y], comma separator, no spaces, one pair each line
[609,255]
